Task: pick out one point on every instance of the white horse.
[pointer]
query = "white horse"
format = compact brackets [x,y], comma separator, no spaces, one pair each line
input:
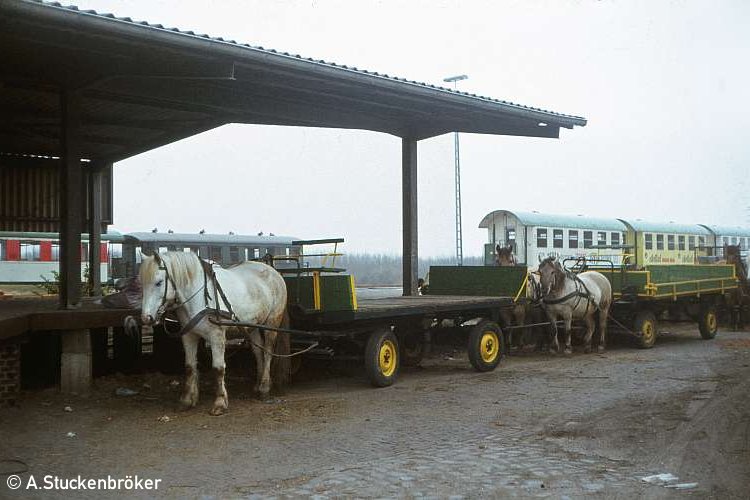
[251,292]
[569,296]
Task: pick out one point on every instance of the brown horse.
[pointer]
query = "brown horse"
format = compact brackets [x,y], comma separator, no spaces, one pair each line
[738,301]
[515,316]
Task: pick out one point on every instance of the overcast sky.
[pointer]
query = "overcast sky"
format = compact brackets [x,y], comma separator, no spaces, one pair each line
[664,85]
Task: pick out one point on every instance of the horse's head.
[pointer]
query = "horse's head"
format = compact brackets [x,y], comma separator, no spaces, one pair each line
[504,255]
[159,291]
[551,275]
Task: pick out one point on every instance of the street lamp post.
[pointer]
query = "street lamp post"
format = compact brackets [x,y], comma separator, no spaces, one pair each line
[459,235]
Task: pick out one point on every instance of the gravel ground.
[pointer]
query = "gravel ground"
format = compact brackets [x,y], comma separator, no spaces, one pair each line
[540,426]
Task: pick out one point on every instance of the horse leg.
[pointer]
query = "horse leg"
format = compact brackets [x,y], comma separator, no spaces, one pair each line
[190,392]
[218,346]
[257,348]
[603,317]
[568,345]
[554,345]
[264,388]
[590,325]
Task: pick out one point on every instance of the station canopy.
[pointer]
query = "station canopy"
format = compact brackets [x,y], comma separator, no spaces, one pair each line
[145,85]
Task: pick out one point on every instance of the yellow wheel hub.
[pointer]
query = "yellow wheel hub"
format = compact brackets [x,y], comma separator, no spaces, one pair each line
[647,330]
[711,322]
[387,358]
[489,346]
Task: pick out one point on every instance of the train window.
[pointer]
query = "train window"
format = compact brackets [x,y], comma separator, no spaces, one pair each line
[2,249]
[234,254]
[680,242]
[649,241]
[541,238]
[734,240]
[691,242]
[601,239]
[702,241]
[588,239]
[615,239]
[30,250]
[557,238]
[660,242]
[55,251]
[256,253]
[670,242]
[215,252]
[572,239]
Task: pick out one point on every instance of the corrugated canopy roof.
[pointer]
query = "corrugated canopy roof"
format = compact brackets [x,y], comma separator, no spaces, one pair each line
[553,220]
[666,227]
[207,239]
[145,85]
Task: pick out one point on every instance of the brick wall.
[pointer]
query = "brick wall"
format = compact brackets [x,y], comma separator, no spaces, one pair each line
[10,374]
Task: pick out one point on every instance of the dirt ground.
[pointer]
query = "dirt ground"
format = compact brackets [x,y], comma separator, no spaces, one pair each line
[540,426]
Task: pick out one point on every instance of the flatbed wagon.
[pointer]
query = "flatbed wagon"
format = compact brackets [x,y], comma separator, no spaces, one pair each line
[697,292]
[328,320]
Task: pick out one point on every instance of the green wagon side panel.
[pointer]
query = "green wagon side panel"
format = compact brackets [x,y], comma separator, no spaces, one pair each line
[626,282]
[490,281]
[672,280]
[691,280]
[336,292]
[670,274]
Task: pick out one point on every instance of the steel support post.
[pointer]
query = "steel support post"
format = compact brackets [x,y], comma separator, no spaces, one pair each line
[95,228]
[409,214]
[71,200]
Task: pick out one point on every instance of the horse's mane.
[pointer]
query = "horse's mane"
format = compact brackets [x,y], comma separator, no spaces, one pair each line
[183,267]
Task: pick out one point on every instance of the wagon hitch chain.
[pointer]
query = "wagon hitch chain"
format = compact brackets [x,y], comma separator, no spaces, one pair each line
[312,346]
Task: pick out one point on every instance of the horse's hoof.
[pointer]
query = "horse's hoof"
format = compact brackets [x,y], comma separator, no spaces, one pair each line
[264,397]
[587,349]
[218,410]
[600,349]
[568,350]
[185,406]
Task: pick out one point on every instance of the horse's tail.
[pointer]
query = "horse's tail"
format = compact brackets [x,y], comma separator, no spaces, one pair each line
[281,366]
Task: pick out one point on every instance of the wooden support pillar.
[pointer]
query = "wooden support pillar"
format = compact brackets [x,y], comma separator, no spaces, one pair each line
[95,228]
[71,201]
[75,362]
[410,259]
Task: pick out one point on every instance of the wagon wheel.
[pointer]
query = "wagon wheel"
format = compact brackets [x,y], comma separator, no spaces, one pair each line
[485,346]
[382,358]
[645,327]
[708,324]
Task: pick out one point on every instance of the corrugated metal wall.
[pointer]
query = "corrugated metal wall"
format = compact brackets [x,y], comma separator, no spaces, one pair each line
[30,195]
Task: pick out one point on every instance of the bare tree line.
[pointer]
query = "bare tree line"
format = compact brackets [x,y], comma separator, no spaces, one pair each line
[384,269]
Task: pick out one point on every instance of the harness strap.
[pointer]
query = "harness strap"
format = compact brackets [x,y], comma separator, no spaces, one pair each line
[198,318]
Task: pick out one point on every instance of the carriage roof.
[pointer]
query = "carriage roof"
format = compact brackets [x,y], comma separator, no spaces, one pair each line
[668,227]
[552,220]
[728,230]
[111,236]
[210,239]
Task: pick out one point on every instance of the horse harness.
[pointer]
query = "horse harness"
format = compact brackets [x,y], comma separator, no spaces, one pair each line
[216,312]
[581,292]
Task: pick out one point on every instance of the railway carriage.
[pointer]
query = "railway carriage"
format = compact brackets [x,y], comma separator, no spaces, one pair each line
[535,236]
[722,236]
[33,257]
[652,243]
